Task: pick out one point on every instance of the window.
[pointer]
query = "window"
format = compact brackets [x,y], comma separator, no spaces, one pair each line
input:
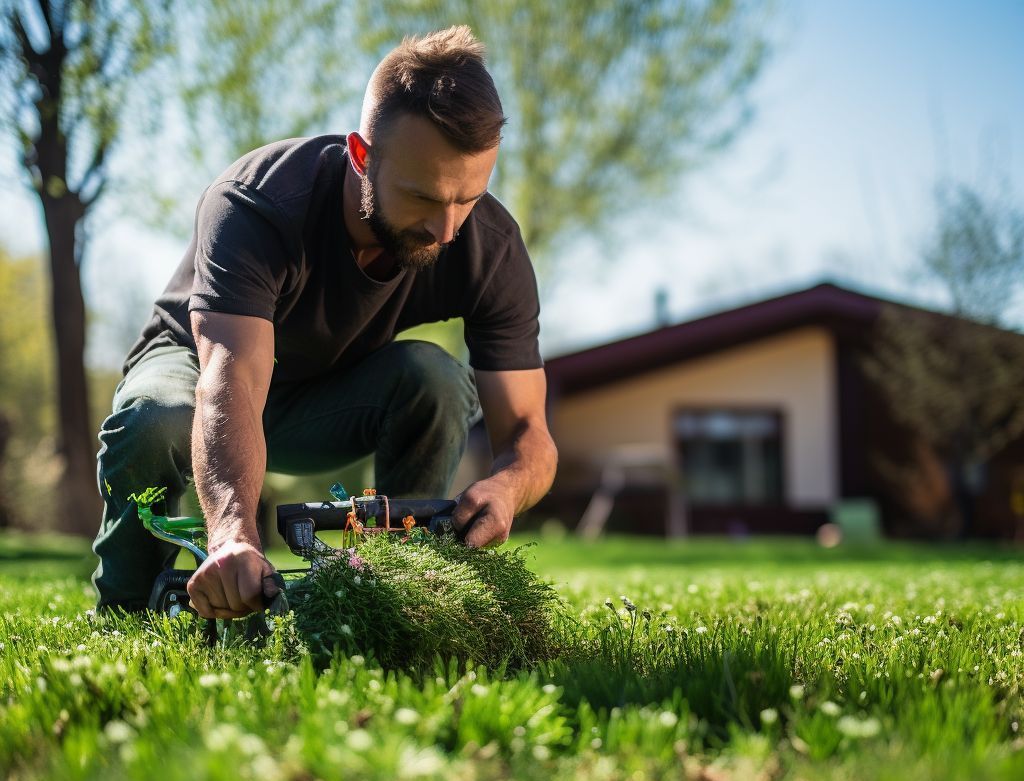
[730,457]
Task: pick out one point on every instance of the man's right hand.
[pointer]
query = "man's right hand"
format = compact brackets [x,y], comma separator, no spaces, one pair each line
[232,582]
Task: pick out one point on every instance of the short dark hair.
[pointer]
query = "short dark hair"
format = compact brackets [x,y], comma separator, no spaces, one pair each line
[442,77]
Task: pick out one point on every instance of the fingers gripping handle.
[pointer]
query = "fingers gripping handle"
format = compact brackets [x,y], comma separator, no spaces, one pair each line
[276,602]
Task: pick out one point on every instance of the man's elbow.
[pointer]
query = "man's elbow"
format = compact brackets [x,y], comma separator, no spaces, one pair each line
[549,460]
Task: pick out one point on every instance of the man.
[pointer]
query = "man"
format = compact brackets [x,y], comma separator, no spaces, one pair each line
[273,344]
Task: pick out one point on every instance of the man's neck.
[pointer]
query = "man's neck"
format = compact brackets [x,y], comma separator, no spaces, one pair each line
[365,248]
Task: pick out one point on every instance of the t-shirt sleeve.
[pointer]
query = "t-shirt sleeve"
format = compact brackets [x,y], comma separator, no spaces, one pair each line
[502,328]
[241,253]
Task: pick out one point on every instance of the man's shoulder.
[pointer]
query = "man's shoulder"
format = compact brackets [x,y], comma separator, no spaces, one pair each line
[493,221]
[289,169]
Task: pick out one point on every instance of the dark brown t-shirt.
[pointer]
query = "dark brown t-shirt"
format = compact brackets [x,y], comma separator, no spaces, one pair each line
[270,242]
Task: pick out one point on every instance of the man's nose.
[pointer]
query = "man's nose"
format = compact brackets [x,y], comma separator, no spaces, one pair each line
[444,225]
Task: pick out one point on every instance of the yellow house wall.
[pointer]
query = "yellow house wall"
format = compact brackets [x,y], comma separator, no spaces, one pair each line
[793,373]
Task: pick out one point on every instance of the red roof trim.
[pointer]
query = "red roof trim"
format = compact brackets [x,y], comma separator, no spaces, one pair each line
[825,305]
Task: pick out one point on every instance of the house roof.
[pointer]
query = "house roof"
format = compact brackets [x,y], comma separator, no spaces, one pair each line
[825,305]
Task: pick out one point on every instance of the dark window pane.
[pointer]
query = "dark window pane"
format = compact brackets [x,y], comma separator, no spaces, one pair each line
[730,457]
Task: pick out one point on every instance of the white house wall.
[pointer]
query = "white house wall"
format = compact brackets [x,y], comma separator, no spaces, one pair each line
[793,373]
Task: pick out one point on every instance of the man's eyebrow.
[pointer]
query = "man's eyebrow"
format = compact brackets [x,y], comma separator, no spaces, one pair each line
[428,196]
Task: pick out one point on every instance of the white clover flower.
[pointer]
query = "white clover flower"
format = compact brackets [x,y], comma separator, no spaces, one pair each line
[360,740]
[769,716]
[209,680]
[264,766]
[853,727]
[346,630]
[701,630]
[668,719]
[118,732]
[421,763]
[251,744]
[406,716]
[829,708]
[796,691]
[220,736]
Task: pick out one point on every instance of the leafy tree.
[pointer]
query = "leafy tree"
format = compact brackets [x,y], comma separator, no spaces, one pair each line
[609,101]
[262,71]
[68,68]
[957,380]
[977,253]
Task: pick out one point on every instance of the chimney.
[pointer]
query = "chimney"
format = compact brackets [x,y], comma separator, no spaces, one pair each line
[662,318]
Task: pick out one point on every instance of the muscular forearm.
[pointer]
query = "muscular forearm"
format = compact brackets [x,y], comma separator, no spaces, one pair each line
[528,465]
[229,455]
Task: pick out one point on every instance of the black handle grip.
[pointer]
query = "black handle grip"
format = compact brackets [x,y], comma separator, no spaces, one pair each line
[331,516]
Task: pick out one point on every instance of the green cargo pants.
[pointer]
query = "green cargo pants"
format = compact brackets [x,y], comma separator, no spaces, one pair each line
[409,403]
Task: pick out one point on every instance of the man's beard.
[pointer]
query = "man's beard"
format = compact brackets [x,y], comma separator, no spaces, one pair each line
[409,249]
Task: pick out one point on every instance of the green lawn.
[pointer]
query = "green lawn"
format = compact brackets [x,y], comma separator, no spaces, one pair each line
[761,659]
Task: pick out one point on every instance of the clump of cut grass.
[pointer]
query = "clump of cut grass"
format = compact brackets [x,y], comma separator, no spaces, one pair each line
[407,603]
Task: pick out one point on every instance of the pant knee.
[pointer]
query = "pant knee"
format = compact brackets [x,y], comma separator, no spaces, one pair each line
[145,440]
[434,381]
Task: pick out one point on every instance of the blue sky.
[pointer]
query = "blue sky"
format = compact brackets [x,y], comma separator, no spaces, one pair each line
[864,106]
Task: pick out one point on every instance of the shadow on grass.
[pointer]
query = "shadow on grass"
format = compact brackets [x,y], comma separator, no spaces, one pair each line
[44,556]
[725,677]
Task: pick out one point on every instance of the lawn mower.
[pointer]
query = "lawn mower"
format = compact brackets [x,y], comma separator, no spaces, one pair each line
[354,516]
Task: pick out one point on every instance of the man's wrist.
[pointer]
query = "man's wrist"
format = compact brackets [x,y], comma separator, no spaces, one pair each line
[513,482]
[227,532]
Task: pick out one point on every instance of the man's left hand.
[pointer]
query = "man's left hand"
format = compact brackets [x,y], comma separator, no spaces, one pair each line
[484,512]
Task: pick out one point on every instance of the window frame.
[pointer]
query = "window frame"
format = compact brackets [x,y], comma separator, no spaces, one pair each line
[676,443]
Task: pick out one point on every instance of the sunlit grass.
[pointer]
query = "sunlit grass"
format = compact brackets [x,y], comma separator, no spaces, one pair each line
[704,660]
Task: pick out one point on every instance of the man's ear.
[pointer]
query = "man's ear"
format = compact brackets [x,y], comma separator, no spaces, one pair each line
[358,152]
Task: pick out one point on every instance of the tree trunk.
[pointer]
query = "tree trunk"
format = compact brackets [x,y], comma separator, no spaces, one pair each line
[5,435]
[63,211]
[76,447]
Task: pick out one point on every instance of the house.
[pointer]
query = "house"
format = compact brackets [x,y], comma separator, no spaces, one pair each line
[760,419]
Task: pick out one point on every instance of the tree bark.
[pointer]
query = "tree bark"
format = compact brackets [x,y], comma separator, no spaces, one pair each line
[75,442]
[63,212]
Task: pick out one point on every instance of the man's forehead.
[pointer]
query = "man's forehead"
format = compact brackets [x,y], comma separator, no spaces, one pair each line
[427,165]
